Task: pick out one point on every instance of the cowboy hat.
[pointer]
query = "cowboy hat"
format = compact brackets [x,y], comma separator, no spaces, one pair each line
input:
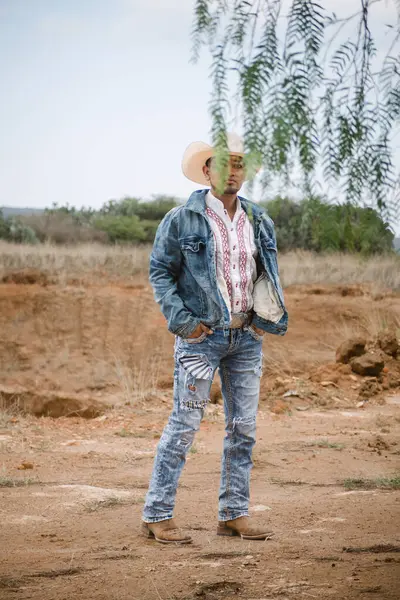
[197,154]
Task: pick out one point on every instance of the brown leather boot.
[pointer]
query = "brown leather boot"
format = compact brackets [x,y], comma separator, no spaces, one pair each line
[165,532]
[245,528]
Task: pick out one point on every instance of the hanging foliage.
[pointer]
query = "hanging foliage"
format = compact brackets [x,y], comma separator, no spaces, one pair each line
[311,90]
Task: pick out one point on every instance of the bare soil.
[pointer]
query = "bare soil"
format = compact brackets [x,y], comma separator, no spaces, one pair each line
[72,489]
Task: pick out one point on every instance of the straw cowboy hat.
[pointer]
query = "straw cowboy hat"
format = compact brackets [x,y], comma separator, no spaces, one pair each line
[197,154]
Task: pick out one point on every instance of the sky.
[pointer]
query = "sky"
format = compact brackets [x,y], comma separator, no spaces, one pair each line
[99,98]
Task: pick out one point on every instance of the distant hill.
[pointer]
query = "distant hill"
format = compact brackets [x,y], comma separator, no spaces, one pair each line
[9,211]
[396,244]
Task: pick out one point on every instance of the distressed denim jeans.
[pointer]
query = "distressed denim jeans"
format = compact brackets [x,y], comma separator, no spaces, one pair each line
[237,353]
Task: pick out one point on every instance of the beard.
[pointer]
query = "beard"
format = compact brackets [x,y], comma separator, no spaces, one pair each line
[231,189]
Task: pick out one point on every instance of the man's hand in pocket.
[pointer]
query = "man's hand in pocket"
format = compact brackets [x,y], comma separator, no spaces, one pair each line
[260,332]
[199,330]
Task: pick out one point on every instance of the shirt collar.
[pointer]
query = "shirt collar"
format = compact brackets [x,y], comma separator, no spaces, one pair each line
[218,206]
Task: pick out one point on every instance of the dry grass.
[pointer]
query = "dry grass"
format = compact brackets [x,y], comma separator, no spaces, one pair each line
[367,326]
[87,263]
[298,268]
[138,381]
[95,262]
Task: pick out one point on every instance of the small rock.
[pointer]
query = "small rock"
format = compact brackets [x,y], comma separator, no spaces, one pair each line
[368,364]
[387,340]
[25,465]
[291,393]
[349,349]
[260,508]
[369,388]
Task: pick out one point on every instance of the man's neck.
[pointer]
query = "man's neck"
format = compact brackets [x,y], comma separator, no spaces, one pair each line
[228,200]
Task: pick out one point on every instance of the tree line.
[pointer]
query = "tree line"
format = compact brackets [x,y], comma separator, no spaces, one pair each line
[311,224]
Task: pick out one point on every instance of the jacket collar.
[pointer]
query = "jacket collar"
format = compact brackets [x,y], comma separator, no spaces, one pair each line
[197,203]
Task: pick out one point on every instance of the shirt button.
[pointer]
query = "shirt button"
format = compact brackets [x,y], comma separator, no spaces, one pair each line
[237,302]
[231,228]
[237,285]
[234,266]
[234,247]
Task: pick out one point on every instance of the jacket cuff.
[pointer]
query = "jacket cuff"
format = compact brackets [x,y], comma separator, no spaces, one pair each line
[188,328]
[259,322]
[270,327]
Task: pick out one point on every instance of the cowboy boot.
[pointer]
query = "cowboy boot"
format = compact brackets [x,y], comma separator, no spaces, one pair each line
[244,527]
[165,532]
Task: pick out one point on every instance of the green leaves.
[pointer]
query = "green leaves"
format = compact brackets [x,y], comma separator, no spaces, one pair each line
[316,225]
[303,97]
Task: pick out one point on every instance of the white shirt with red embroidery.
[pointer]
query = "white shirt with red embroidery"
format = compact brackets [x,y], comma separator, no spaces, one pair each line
[235,254]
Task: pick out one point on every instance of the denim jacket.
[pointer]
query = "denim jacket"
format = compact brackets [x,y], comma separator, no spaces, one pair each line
[183,272]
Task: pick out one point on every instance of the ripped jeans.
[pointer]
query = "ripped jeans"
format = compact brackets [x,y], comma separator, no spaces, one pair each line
[237,353]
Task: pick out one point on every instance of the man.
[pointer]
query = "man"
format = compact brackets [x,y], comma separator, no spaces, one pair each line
[214,272]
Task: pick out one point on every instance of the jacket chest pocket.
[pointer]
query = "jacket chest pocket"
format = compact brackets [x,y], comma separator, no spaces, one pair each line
[194,251]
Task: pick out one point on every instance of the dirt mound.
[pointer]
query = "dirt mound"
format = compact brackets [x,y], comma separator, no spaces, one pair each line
[113,341]
[388,342]
[50,404]
[368,364]
[350,349]
[26,277]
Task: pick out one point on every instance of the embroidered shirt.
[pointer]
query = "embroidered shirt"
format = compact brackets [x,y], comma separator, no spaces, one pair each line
[235,253]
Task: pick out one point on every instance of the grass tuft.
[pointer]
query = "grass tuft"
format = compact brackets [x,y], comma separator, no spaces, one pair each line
[127,433]
[327,444]
[110,502]
[12,482]
[385,483]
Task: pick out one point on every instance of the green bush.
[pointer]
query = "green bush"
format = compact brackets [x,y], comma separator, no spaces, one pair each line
[4,227]
[121,228]
[156,209]
[13,230]
[150,229]
[314,224]
[20,233]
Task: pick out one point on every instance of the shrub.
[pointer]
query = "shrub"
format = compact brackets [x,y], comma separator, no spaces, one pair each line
[121,229]
[316,225]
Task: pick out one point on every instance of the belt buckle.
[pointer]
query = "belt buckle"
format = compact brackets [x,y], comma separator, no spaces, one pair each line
[239,321]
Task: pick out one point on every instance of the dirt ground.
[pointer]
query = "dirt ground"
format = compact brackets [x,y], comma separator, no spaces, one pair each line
[72,489]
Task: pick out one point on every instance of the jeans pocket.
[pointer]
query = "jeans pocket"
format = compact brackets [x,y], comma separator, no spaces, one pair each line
[254,334]
[197,340]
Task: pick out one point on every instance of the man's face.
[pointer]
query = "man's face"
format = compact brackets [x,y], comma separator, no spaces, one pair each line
[235,177]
